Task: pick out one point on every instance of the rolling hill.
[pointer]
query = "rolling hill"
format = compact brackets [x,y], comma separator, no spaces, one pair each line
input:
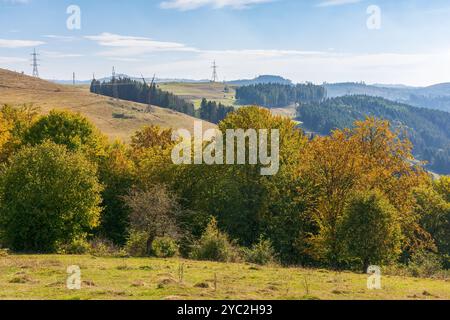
[264,79]
[431,97]
[117,119]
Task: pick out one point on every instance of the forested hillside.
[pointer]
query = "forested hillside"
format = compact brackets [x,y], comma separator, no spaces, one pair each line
[279,95]
[264,79]
[428,130]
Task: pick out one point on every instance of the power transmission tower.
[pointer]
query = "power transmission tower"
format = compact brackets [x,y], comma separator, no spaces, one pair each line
[214,75]
[149,97]
[114,84]
[34,59]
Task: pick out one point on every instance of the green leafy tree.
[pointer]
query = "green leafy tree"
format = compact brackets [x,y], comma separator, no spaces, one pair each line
[433,207]
[370,230]
[48,197]
[246,204]
[14,123]
[117,174]
[69,129]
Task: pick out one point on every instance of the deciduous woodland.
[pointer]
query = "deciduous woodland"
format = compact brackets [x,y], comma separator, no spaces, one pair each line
[344,201]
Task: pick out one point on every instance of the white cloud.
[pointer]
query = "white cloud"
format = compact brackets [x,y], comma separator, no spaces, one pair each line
[132,46]
[7,43]
[4,60]
[411,69]
[332,3]
[184,5]
[60,55]
[61,38]
[299,65]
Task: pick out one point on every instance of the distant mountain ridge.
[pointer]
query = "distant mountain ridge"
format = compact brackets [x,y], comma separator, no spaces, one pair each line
[432,97]
[263,79]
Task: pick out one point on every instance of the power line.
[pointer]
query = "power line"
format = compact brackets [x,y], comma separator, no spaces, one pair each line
[114,84]
[149,97]
[34,59]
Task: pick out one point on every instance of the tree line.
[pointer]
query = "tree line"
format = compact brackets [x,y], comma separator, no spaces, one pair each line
[132,90]
[279,95]
[341,201]
[214,112]
[136,91]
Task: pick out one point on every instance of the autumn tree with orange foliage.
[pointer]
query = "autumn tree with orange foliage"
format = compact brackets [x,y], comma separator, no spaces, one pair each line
[369,157]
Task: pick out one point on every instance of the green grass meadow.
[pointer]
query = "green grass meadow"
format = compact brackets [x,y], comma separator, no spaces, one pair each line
[44,277]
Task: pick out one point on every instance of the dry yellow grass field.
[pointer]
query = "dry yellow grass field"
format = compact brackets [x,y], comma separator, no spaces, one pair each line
[18,89]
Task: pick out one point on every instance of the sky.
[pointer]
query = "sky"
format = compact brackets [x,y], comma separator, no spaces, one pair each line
[375,41]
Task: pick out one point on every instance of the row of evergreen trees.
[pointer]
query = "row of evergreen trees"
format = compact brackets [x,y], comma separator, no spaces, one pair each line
[132,90]
[214,112]
[273,95]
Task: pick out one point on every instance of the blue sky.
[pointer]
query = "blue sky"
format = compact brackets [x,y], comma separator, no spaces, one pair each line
[304,40]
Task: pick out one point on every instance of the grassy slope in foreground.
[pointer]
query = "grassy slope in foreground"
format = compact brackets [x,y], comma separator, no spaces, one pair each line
[18,89]
[44,277]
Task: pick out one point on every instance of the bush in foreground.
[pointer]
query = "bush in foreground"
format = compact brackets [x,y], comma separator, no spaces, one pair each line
[261,253]
[136,245]
[425,264]
[48,197]
[214,246]
[164,247]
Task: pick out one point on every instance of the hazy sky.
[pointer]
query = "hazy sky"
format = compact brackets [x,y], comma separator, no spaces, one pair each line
[304,40]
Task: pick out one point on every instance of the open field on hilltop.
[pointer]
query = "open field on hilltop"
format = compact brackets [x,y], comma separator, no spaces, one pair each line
[289,111]
[118,119]
[44,277]
[195,92]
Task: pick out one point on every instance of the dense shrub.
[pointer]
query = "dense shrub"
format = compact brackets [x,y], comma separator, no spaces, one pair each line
[214,246]
[104,248]
[77,246]
[136,245]
[261,253]
[164,247]
[425,264]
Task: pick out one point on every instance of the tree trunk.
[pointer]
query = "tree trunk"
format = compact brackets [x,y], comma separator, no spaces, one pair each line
[366,265]
[150,239]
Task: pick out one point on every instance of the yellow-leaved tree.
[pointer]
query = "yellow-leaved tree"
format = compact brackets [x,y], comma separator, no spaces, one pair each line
[367,158]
